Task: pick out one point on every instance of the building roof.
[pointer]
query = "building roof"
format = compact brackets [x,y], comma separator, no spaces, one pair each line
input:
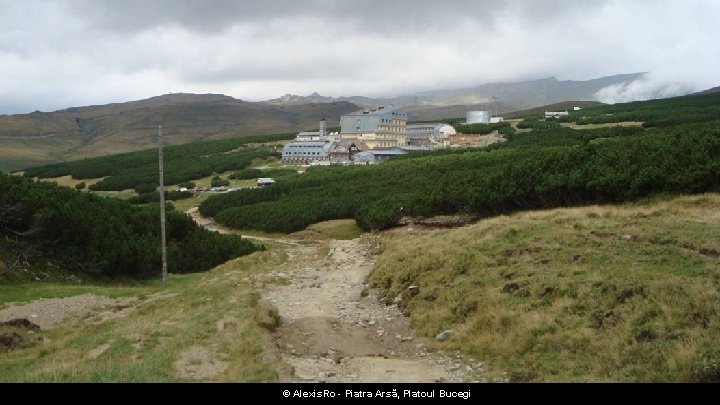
[414,126]
[382,110]
[384,152]
[265,180]
[342,146]
[308,144]
[411,148]
[306,147]
[421,131]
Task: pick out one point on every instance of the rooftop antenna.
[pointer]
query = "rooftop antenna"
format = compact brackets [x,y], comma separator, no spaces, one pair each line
[163,246]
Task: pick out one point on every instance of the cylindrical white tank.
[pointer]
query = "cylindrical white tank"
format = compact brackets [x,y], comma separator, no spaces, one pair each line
[478,117]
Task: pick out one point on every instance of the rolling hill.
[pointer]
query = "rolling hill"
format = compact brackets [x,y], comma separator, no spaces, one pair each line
[74,133]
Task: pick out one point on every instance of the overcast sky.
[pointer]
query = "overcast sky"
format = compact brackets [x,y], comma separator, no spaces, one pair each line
[60,53]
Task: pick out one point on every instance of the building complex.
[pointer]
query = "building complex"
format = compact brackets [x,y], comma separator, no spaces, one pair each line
[367,136]
[384,127]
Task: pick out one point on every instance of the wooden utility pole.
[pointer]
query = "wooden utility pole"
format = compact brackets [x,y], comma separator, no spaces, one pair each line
[163,246]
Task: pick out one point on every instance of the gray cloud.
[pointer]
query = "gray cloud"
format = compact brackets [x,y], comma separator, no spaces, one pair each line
[401,17]
[54,54]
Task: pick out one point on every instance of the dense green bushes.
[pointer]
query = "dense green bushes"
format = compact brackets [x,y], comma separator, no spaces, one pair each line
[146,188]
[565,136]
[481,129]
[247,174]
[218,182]
[154,196]
[541,169]
[182,163]
[106,236]
[655,113]
[538,124]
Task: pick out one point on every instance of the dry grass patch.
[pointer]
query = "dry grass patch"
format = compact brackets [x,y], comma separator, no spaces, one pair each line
[68,181]
[202,327]
[611,293]
[341,229]
[608,125]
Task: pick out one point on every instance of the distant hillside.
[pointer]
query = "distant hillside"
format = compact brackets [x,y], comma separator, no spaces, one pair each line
[675,151]
[709,91]
[429,113]
[515,96]
[566,105]
[73,133]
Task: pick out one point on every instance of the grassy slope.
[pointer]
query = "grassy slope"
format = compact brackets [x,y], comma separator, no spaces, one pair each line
[41,138]
[612,293]
[146,344]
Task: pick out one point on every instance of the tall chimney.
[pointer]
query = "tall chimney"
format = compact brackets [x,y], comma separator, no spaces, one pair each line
[323,127]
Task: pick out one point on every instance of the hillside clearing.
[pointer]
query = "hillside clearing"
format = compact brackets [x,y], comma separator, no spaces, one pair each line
[68,181]
[203,327]
[601,293]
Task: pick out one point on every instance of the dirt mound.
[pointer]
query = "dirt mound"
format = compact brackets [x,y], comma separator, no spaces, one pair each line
[17,334]
[21,323]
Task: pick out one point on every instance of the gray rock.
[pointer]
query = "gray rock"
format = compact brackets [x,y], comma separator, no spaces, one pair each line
[443,336]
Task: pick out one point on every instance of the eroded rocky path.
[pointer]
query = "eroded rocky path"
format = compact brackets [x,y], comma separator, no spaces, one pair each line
[333,327]
[331,332]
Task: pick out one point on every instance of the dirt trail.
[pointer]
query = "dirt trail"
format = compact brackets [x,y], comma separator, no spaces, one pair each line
[330,330]
[331,333]
[211,225]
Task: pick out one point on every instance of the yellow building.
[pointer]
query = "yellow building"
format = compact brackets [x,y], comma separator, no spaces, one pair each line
[379,128]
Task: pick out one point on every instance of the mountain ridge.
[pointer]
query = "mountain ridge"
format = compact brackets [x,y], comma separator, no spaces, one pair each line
[77,132]
[518,95]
